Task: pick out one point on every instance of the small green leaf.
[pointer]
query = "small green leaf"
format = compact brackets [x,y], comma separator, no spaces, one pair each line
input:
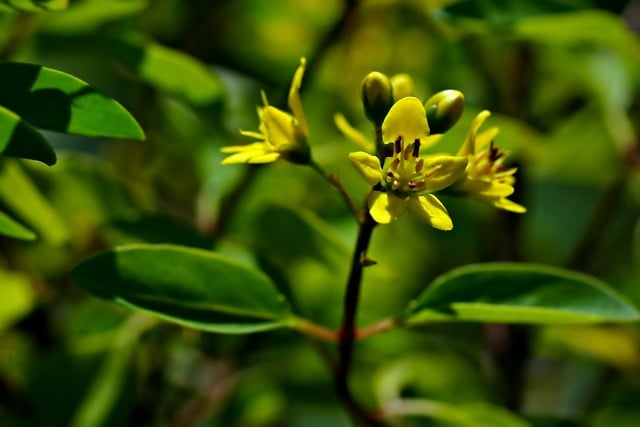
[33,5]
[191,287]
[53,100]
[11,228]
[19,139]
[169,70]
[519,293]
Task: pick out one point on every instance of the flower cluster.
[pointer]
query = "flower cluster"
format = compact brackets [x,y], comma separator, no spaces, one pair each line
[401,178]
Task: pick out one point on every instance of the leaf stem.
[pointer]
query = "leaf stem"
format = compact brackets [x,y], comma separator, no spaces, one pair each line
[376,328]
[337,185]
[313,330]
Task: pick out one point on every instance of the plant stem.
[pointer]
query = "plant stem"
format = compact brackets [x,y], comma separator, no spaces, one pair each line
[313,330]
[347,333]
[337,185]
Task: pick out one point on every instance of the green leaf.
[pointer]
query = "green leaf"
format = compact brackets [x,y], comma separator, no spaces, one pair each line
[169,70]
[19,139]
[33,5]
[519,293]
[191,287]
[465,415]
[53,100]
[11,228]
[89,15]
[23,199]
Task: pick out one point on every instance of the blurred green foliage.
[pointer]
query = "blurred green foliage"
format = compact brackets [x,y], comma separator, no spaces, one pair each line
[562,78]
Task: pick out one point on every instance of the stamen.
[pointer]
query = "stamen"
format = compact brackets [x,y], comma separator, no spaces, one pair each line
[416,148]
[394,164]
[407,152]
[398,144]
[419,165]
[411,185]
[395,184]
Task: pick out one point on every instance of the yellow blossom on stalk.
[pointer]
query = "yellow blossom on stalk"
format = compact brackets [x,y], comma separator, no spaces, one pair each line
[486,178]
[280,135]
[406,180]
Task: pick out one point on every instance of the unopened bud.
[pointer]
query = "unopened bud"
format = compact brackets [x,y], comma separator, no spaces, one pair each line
[444,109]
[377,96]
[402,85]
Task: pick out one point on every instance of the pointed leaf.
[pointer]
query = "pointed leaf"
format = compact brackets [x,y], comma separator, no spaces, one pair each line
[53,100]
[33,5]
[19,139]
[11,228]
[519,293]
[192,287]
[169,70]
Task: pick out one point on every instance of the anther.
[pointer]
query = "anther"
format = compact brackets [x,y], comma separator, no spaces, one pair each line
[394,164]
[407,152]
[416,147]
[398,144]
[411,185]
[419,165]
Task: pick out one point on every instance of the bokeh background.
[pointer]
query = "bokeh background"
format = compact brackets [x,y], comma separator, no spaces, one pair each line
[562,79]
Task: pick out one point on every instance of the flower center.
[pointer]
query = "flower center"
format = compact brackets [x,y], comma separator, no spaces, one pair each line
[405,170]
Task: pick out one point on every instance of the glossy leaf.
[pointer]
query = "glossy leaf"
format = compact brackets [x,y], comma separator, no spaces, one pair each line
[33,5]
[53,100]
[169,70]
[12,228]
[191,287]
[19,139]
[519,293]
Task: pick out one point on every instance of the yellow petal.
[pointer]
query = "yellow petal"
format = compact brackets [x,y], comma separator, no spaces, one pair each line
[384,207]
[367,165]
[442,171]
[294,97]
[428,209]
[510,206]
[485,188]
[352,133]
[408,118]
[469,146]
[256,146]
[279,127]
[485,137]
[265,157]
[248,156]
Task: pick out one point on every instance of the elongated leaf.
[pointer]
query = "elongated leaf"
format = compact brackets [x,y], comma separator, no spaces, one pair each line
[33,5]
[519,293]
[53,100]
[12,228]
[19,139]
[169,70]
[195,288]
[22,198]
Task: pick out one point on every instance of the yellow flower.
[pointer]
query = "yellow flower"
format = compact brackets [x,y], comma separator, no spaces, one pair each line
[406,180]
[280,135]
[486,178]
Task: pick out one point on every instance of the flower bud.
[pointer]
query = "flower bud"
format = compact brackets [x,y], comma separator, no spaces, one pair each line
[402,85]
[377,96]
[444,109]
